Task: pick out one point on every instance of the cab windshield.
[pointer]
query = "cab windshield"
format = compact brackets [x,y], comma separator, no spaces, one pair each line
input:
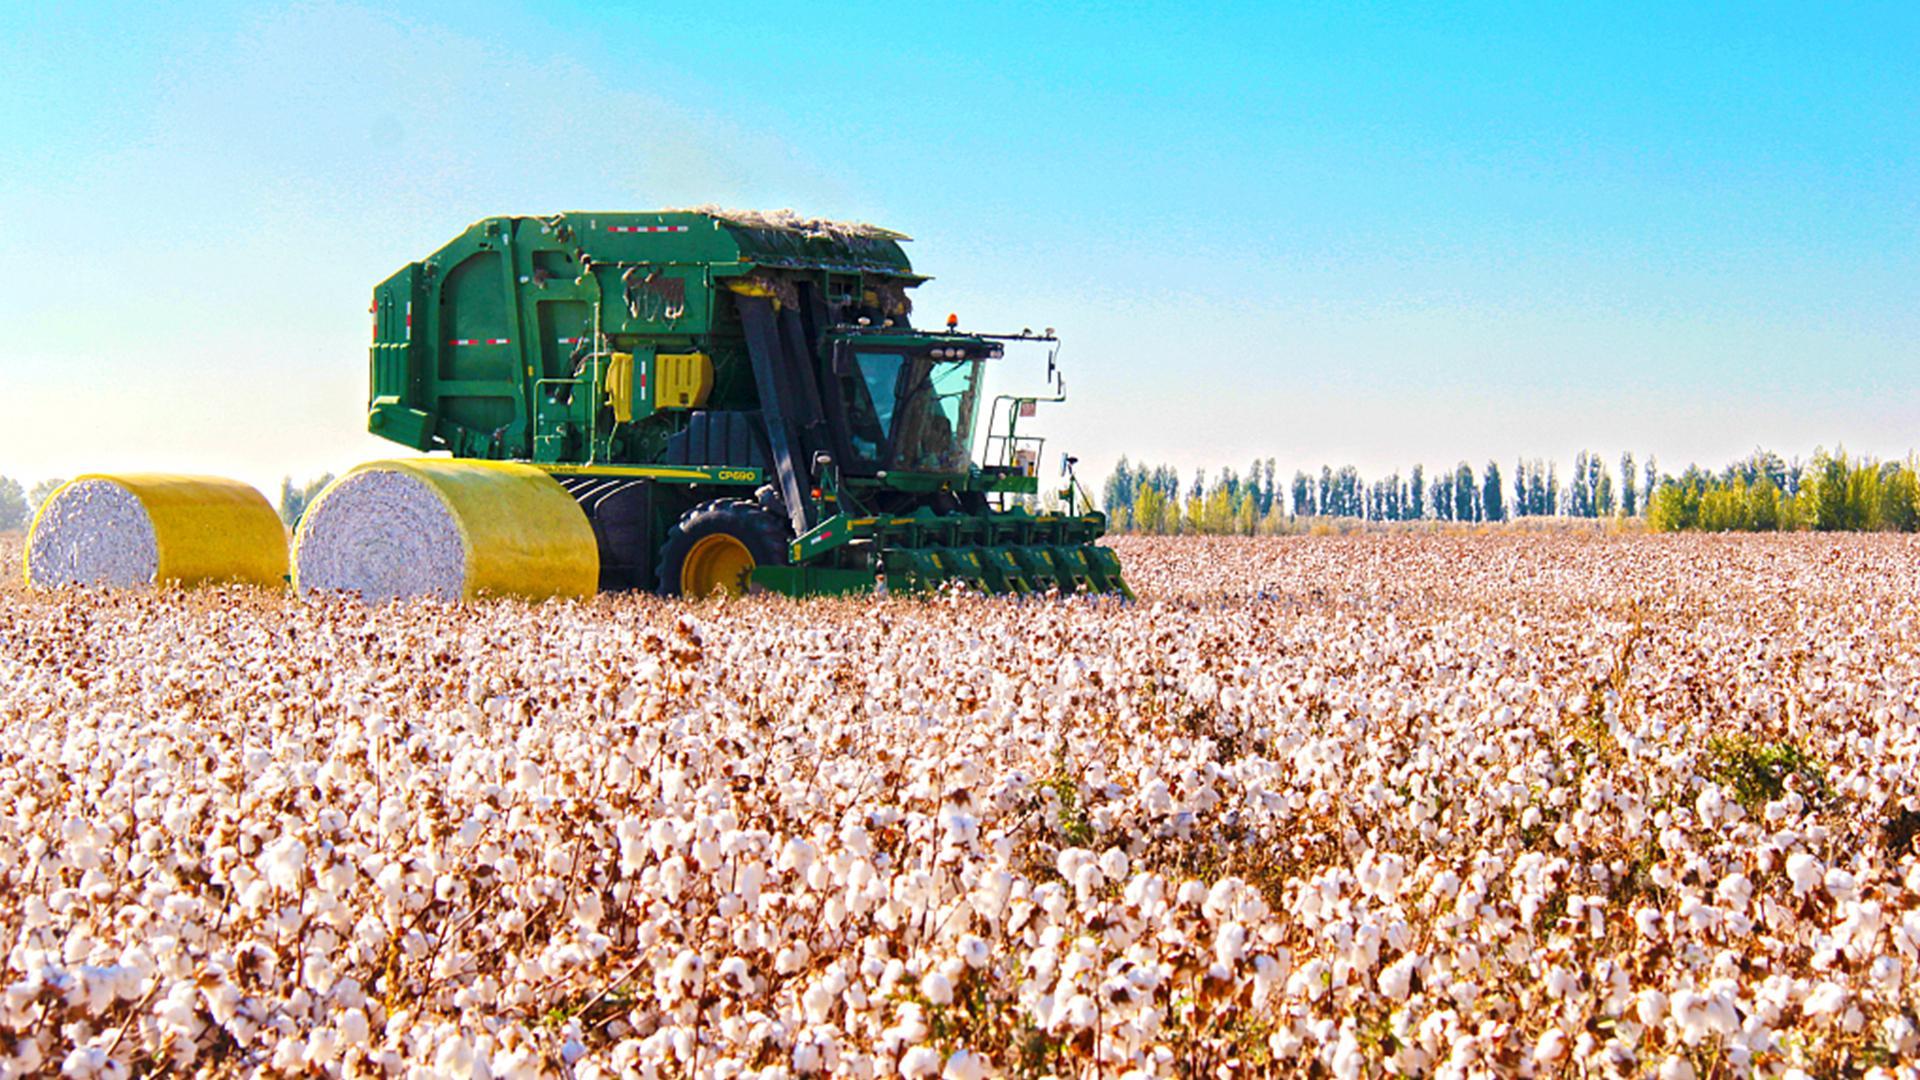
[911,412]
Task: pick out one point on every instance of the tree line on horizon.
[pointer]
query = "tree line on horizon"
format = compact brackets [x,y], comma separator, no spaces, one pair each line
[18,504]
[1760,493]
[1763,492]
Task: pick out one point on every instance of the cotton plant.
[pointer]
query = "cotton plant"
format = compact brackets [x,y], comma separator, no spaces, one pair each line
[1430,806]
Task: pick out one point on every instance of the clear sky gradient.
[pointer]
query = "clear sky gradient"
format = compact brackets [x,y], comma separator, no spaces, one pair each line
[1323,233]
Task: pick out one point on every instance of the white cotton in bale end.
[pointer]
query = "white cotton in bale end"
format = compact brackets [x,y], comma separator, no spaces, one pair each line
[382,535]
[93,533]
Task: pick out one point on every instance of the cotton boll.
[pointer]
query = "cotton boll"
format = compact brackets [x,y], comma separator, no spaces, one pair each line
[1804,871]
[1676,1068]
[85,1061]
[964,1065]
[1396,979]
[284,863]
[938,989]
[920,1061]
[1901,1034]
[1220,899]
[1651,1007]
[1826,999]
[734,973]
[792,958]
[817,1003]
[353,1029]
[1230,944]
[1086,880]
[1551,1046]
[975,951]
[1081,1012]
[706,853]
[1839,884]
[796,857]
[1885,972]
[1734,891]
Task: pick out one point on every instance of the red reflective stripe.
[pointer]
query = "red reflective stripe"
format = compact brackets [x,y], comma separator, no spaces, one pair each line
[646,228]
[480,341]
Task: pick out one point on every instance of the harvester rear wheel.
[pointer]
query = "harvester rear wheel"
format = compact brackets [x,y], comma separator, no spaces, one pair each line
[716,545]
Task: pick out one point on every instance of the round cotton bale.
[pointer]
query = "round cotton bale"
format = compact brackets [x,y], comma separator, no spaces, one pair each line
[450,529]
[132,529]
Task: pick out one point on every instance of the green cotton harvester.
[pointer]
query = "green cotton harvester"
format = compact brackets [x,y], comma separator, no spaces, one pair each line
[735,402]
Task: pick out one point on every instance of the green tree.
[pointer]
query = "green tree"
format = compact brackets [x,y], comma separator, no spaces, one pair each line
[1150,511]
[1845,496]
[1763,505]
[1491,494]
[41,492]
[1246,515]
[13,505]
[1669,511]
[1463,493]
[1899,497]
[295,500]
[1118,495]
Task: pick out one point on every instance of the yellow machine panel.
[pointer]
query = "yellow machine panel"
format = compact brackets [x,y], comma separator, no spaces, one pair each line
[620,386]
[682,380]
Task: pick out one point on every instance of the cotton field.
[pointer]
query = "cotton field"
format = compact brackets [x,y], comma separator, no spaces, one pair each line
[1344,806]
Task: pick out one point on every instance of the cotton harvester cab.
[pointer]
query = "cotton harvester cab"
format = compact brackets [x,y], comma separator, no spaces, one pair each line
[735,401]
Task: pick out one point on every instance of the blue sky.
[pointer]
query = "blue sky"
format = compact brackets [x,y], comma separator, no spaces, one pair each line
[1326,233]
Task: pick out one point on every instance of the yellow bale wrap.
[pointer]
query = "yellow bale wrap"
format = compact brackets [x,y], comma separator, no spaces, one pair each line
[522,534]
[207,530]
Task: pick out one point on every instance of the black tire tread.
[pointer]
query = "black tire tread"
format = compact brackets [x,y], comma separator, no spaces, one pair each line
[764,533]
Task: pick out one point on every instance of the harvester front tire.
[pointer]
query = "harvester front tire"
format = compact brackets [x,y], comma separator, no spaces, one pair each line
[717,544]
